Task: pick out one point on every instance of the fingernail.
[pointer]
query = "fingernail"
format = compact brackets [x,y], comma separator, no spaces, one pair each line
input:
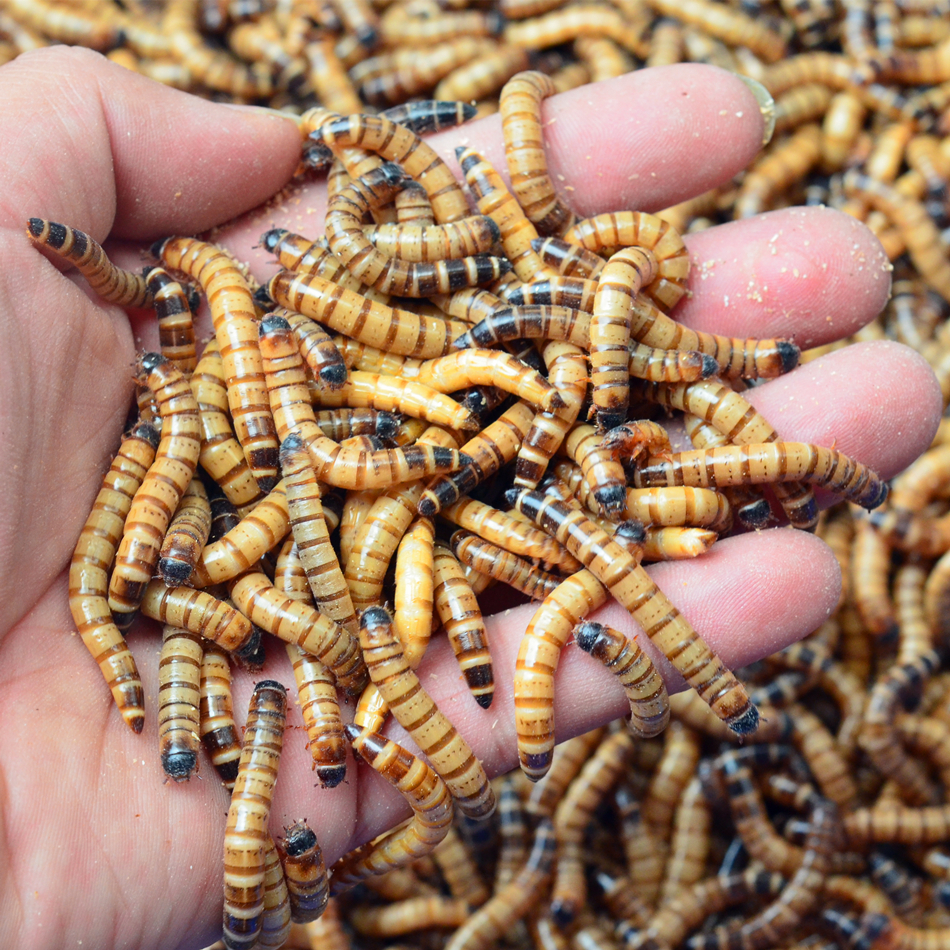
[766,105]
[264,110]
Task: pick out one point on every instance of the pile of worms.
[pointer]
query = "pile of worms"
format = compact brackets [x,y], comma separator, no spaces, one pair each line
[426,401]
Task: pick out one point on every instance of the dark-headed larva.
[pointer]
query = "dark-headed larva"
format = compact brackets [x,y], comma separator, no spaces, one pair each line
[89,566]
[426,794]
[164,485]
[398,393]
[625,273]
[248,815]
[221,454]
[176,331]
[520,107]
[415,710]
[670,632]
[179,676]
[397,330]
[496,201]
[485,928]
[437,242]
[394,275]
[216,708]
[476,367]
[275,918]
[649,703]
[298,623]
[202,614]
[485,454]
[247,542]
[569,756]
[546,635]
[761,463]
[568,260]
[186,536]
[232,311]
[600,470]
[345,466]
[308,885]
[398,144]
[111,283]
[311,536]
[488,558]
[461,617]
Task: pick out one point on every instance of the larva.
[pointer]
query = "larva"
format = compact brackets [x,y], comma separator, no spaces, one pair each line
[649,703]
[298,623]
[179,676]
[216,713]
[461,617]
[164,485]
[111,283]
[88,571]
[630,584]
[186,536]
[415,710]
[232,312]
[308,885]
[488,558]
[246,831]
[426,794]
[174,312]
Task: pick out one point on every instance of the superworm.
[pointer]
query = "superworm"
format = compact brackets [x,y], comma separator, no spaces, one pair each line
[232,312]
[216,712]
[186,536]
[88,572]
[488,558]
[461,617]
[308,885]
[415,710]
[174,312]
[645,689]
[179,677]
[111,283]
[248,815]
[662,622]
[166,482]
[427,795]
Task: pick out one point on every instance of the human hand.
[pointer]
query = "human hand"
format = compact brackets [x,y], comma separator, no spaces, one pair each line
[96,847]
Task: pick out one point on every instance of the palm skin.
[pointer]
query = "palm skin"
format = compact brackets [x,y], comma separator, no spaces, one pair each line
[95,846]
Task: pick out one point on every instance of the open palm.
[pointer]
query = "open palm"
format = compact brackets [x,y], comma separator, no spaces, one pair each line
[95,849]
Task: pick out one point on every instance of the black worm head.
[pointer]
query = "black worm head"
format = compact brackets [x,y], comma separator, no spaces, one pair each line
[374,616]
[298,838]
[586,634]
[272,323]
[156,249]
[148,432]
[632,531]
[270,239]
[709,367]
[151,361]
[262,296]
[788,353]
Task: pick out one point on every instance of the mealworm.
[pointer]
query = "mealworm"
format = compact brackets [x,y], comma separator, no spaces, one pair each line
[415,586]
[457,865]
[111,283]
[428,244]
[560,26]
[298,623]
[520,107]
[462,619]
[398,144]
[217,728]
[74,26]
[483,455]
[630,584]
[484,74]
[248,815]
[544,638]
[488,558]
[90,562]
[760,463]
[347,422]
[427,795]
[308,885]
[495,200]
[247,542]
[574,812]
[312,537]
[179,675]
[343,466]
[176,331]
[163,487]
[275,916]
[186,535]
[415,710]
[232,312]
[600,470]
[645,689]
[397,330]
[221,455]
